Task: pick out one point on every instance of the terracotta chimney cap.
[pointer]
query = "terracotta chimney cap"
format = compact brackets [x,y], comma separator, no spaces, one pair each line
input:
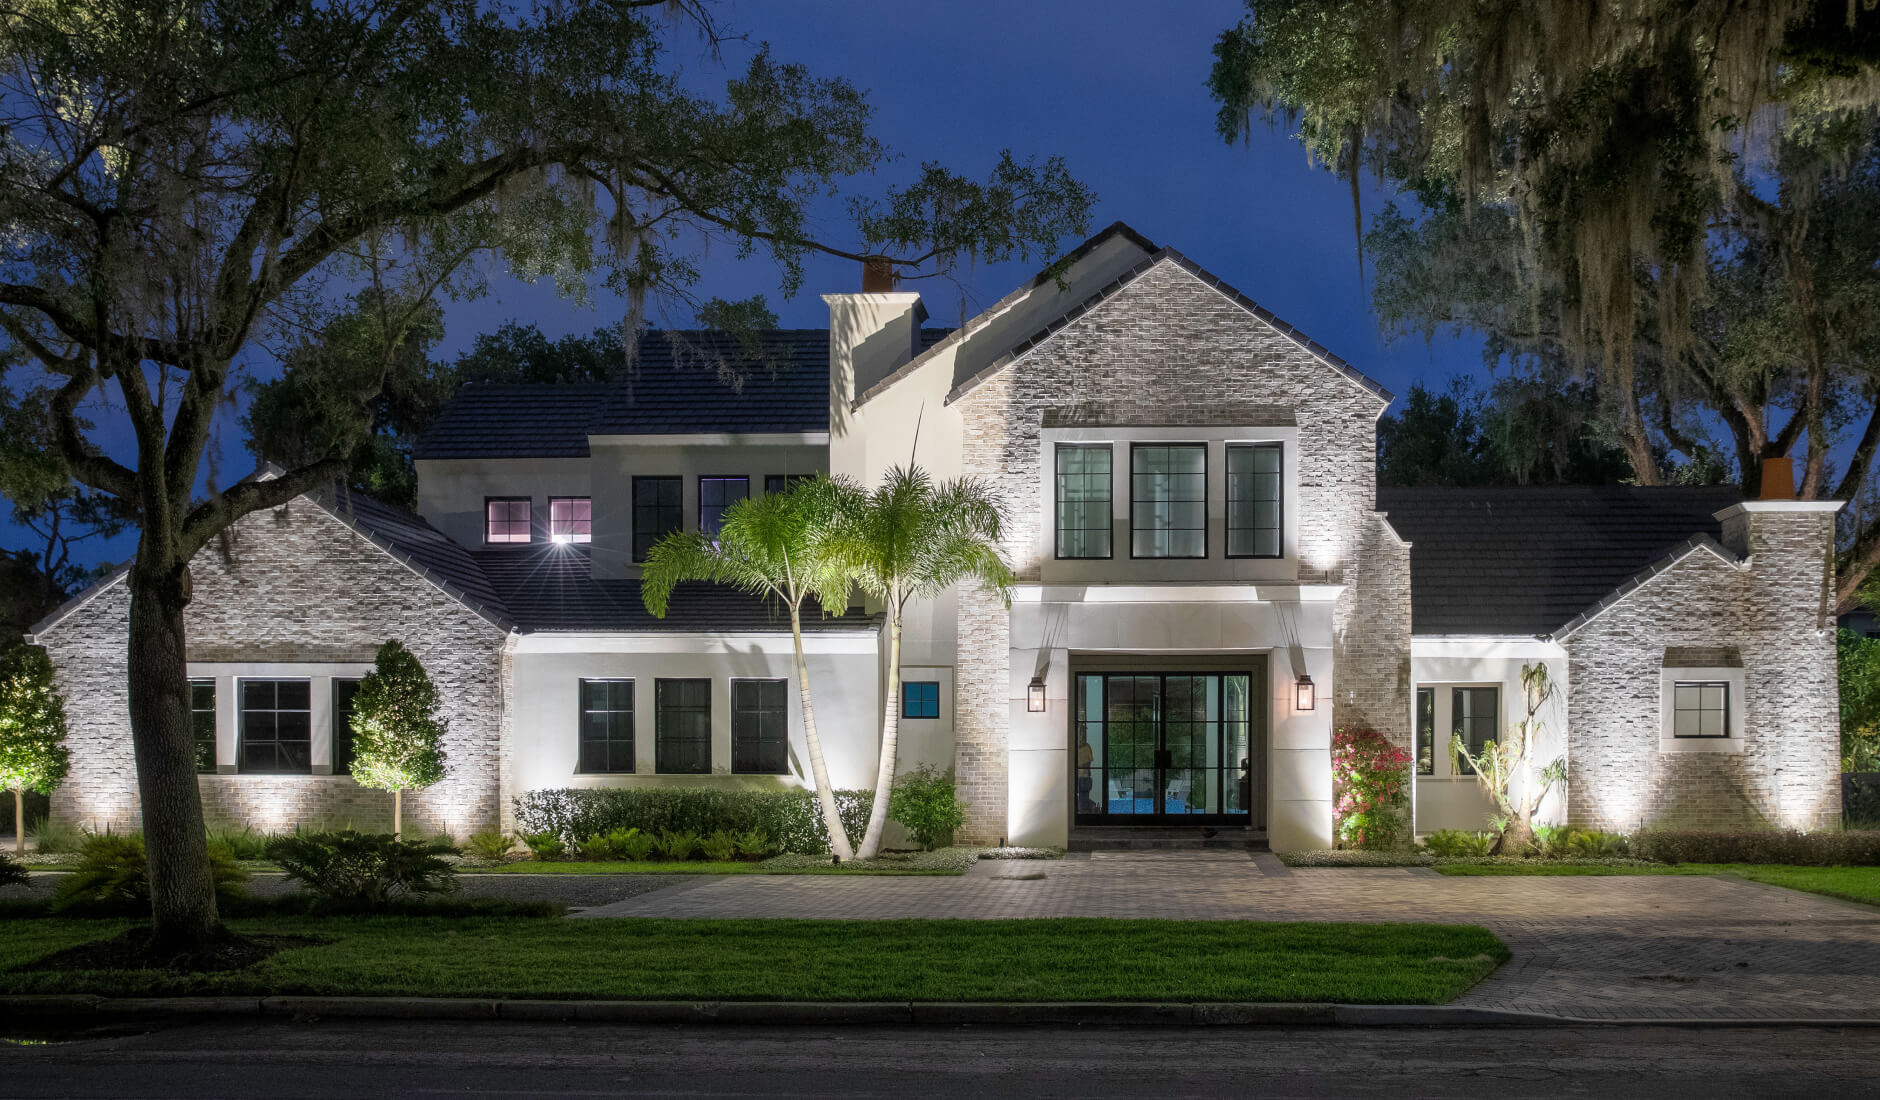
[1778,479]
[878,276]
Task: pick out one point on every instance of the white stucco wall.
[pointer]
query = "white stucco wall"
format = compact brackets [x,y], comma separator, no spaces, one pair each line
[1448,801]
[451,492]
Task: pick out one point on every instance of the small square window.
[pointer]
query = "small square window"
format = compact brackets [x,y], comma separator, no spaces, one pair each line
[920,699]
[1701,709]
[570,519]
[506,519]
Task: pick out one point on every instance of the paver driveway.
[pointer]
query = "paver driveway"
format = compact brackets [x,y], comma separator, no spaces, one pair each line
[1621,946]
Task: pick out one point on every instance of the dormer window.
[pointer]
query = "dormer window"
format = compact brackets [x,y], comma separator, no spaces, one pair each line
[506,519]
[570,519]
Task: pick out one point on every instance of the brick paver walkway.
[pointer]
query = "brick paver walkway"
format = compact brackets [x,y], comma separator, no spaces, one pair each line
[1621,946]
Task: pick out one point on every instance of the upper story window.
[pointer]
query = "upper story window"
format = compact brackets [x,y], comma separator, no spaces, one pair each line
[780,483]
[658,507]
[570,519]
[715,496]
[1083,500]
[1168,508]
[1253,501]
[920,699]
[1701,709]
[506,519]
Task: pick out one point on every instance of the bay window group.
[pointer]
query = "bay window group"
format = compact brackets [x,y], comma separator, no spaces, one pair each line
[1168,487]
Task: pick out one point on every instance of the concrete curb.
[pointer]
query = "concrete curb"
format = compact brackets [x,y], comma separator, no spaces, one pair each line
[41,1008]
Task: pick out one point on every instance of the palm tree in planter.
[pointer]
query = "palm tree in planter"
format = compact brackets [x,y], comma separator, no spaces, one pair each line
[397,733]
[770,545]
[1506,769]
[914,538]
[33,756]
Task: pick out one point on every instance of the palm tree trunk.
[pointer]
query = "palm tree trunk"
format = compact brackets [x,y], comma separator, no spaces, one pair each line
[890,735]
[818,770]
[19,820]
[398,813]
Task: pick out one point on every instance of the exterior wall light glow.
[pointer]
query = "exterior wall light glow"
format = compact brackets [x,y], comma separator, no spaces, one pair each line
[561,539]
[1034,696]
[1305,696]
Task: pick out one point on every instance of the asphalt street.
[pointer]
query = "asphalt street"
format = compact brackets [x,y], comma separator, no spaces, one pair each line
[284,1060]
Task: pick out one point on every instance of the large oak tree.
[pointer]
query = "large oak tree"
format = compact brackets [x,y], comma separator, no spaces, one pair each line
[191,186]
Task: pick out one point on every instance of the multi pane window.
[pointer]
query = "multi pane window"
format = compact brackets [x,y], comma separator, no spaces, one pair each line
[920,699]
[344,692]
[202,721]
[1083,500]
[506,519]
[276,727]
[781,483]
[1426,731]
[682,726]
[715,496]
[1476,714]
[1169,500]
[1701,709]
[760,731]
[658,507]
[1253,501]
[606,727]
[570,519]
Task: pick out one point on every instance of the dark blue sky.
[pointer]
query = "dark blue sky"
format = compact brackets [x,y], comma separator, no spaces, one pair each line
[1117,89]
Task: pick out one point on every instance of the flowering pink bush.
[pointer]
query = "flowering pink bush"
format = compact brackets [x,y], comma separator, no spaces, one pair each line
[1370,790]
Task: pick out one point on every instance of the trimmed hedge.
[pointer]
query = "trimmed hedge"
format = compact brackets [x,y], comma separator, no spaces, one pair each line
[1853,849]
[791,819]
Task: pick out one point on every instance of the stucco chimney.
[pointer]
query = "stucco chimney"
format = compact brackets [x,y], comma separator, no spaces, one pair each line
[870,334]
[1778,478]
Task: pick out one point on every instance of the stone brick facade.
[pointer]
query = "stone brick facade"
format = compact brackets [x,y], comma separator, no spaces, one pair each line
[292,584]
[1770,608]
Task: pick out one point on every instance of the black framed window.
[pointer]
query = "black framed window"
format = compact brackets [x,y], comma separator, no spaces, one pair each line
[1426,731]
[606,727]
[760,727]
[277,727]
[570,519]
[658,507]
[1700,709]
[1083,500]
[1253,501]
[920,699]
[1168,503]
[715,495]
[344,692]
[1475,716]
[506,519]
[682,727]
[780,483]
[202,721]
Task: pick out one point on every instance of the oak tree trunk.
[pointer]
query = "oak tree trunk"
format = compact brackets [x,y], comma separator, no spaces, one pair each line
[182,891]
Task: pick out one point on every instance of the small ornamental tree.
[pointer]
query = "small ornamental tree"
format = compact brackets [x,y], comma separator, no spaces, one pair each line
[397,733]
[1370,790]
[33,756]
[1507,771]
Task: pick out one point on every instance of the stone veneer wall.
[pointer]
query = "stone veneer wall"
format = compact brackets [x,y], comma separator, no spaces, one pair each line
[1788,774]
[1169,349]
[296,585]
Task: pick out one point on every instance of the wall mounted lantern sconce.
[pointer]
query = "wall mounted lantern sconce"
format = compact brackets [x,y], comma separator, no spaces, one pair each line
[1305,696]
[1034,696]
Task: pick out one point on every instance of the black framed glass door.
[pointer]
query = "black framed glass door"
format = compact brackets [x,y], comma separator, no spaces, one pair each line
[1164,748]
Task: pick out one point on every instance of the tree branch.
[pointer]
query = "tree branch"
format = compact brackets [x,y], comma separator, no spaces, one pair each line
[238,500]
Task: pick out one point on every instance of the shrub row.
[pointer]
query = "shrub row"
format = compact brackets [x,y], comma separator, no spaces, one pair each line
[792,820]
[1852,848]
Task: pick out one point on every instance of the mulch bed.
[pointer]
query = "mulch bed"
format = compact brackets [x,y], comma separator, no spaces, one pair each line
[131,951]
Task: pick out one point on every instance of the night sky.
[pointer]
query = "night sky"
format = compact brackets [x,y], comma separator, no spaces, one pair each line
[1118,89]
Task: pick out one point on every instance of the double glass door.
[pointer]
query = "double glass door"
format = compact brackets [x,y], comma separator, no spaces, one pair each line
[1164,748]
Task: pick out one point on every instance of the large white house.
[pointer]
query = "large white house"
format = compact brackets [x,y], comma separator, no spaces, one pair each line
[1211,584]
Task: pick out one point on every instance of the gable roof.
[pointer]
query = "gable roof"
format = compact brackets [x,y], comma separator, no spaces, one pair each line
[1536,560]
[1163,255]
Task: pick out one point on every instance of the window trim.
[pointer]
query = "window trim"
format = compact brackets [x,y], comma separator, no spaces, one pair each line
[572,539]
[659,734]
[529,534]
[935,716]
[633,507]
[241,723]
[1207,522]
[1735,709]
[1416,733]
[1057,532]
[700,499]
[1227,500]
[783,712]
[339,763]
[1724,722]
[633,726]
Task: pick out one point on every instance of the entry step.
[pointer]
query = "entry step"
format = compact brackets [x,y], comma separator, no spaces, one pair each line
[1104,838]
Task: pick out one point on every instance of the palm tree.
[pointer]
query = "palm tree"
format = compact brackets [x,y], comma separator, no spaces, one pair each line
[768,546]
[912,538]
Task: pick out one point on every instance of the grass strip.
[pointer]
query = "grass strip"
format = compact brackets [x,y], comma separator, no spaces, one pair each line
[1860,884]
[929,960]
[622,867]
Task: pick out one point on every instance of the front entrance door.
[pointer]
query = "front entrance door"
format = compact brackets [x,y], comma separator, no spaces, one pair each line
[1165,748]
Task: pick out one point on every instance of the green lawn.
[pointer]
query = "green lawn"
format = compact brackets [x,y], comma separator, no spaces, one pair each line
[1848,883]
[927,960]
